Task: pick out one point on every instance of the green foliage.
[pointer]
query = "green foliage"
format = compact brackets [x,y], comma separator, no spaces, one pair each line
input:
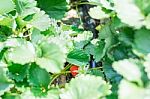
[98,50]
[37,48]
[143,5]
[11,96]
[77,88]
[125,65]
[78,57]
[39,79]
[48,60]
[97,13]
[134,91]
[52,94]
[15,54]
[6,84]
[39,19]
[22,5]
[54,8]
[141,44]
[146,65]
[132,72]
[17,72]
[5,9]
[132,19]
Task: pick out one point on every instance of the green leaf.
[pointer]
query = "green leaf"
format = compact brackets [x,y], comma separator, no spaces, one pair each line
[78,57]
[63,40]
[146,22]
[147,65]
[2,63]
[18,72]
[144,5]
[21,5]
[105,32]
[6,6]
[28,94]
[54,8]
[4,33]
[98,50]
[97,13]
[39,91]
[52,59]
[5,87]
[81,44]
[95,72]
[126,36]
[96,1]
[7,21]
[110,73]
[82,39]
[128,69]
[13,42]
[84,86]
[51,94]
[20,23]
[39,19]
[116,24]
[104,3]
[11,96]
[38,77]
[36,36]
[5,83]
[90,48]
[120,52]
[127,16]
[22,54]
[86,35]
[128,90]
[141,41]
[1,46]
[107,35]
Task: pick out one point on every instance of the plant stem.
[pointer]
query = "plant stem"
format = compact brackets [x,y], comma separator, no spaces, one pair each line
[90,3]
[57,75]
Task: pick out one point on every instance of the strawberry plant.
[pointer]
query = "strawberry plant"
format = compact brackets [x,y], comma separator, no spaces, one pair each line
[74,49]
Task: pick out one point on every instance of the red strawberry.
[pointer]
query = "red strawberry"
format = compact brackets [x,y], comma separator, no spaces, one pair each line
[74,70]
